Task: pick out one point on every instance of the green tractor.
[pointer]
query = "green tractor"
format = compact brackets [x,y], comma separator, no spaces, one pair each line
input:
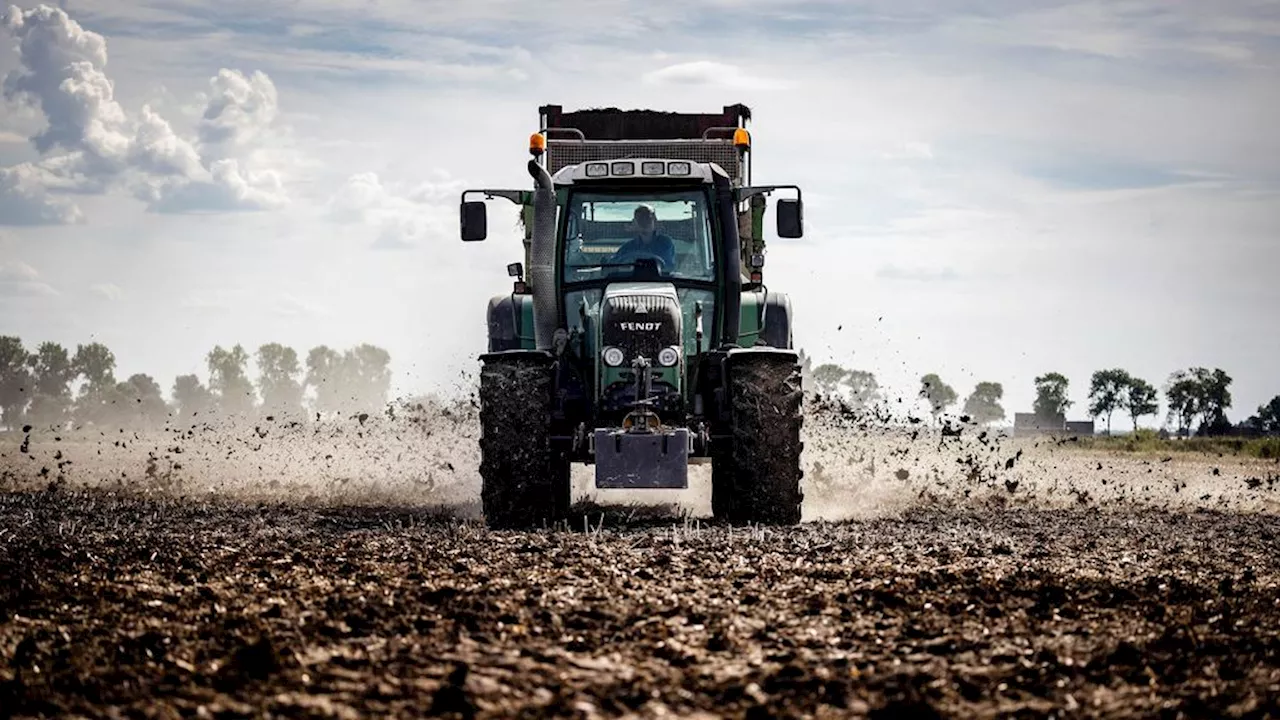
[644,338]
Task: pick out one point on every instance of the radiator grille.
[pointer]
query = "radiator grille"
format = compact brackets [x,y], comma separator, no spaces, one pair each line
[641,325]
[650,303]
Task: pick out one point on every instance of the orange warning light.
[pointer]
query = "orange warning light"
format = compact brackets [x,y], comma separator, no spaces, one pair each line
[537,144]
[742,139]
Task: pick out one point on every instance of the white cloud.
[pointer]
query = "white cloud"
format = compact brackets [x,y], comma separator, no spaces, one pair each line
[158,150]
[106,291]
[62,73]
[17,271]
[240,111]
[401,218]
[18,279]
[360,194]
[25,200]
[229,188]
[709,73]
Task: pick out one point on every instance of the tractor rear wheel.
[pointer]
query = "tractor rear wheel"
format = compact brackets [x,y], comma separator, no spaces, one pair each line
[755,464]
[525,480]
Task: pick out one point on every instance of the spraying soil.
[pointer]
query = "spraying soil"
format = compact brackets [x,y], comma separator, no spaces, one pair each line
[337,569]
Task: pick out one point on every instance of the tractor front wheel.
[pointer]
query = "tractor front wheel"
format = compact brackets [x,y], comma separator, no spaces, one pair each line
[755,465]
[525,480]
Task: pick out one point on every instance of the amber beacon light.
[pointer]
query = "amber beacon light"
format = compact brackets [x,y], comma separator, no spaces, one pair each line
[537,144]
[742,139]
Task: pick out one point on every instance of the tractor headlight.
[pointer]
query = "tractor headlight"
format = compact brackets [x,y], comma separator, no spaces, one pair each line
[668,356]
[612,356]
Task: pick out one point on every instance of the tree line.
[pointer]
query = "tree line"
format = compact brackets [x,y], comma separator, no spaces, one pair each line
[860,389]
[1197,398]
[50,386]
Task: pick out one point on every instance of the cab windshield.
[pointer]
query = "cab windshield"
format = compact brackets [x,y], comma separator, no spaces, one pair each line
[607,232]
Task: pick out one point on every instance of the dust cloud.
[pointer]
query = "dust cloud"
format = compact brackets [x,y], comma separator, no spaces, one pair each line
[424,452]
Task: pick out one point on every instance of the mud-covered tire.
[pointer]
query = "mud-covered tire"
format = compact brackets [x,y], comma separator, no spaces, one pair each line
[755,464]
[525,480]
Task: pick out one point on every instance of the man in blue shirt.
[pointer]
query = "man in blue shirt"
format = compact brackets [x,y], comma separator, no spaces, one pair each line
[648,242]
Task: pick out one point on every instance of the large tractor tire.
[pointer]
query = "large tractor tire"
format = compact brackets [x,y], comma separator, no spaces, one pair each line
[755,463]
[525,480]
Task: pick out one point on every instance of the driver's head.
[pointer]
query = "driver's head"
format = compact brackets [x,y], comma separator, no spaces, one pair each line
[644,221]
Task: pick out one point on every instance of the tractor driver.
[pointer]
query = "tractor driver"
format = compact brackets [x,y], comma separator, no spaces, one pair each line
[648,242]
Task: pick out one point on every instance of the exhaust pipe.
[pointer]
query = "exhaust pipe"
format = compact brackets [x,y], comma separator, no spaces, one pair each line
[542,257]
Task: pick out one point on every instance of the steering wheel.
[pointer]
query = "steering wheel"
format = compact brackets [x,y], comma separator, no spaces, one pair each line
[657,259]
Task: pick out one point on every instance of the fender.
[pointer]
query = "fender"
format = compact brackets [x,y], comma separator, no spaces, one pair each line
[713,375]
[510,325]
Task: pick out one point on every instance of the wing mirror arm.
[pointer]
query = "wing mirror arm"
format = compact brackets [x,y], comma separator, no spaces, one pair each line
[473,213]
[790,212]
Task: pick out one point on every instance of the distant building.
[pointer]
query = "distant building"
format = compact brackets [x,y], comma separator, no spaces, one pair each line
[1083,428]
[1031,425]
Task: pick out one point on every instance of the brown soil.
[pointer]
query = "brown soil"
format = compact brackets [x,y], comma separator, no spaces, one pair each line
[112,604]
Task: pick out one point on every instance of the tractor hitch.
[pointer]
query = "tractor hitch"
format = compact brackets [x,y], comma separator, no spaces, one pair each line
[643,454]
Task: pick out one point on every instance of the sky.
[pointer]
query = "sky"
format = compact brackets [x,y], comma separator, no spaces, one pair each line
[994,189]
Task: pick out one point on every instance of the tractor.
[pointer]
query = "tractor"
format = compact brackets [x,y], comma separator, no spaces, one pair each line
[643,338]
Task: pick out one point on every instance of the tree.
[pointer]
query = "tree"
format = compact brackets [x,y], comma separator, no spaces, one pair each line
[862,389]
[939,394]
[140,397]
[96,364]
[366,368]
[1051,397]
[1215,398]
[358,379]
[51,373]
[1106,393]
[277,379]
[983,404]
[229,379]
[828,377]
[15,381]
[1183,395]
[324,367]
[857,387]
[1139,400]
[1200,392]
[191,397]
[1268,418]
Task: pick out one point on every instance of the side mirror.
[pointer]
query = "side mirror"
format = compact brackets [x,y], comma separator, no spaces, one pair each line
[475,224]
[790,219]
[516,270]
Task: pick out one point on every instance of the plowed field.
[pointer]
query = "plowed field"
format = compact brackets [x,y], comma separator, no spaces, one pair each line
[974,591]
